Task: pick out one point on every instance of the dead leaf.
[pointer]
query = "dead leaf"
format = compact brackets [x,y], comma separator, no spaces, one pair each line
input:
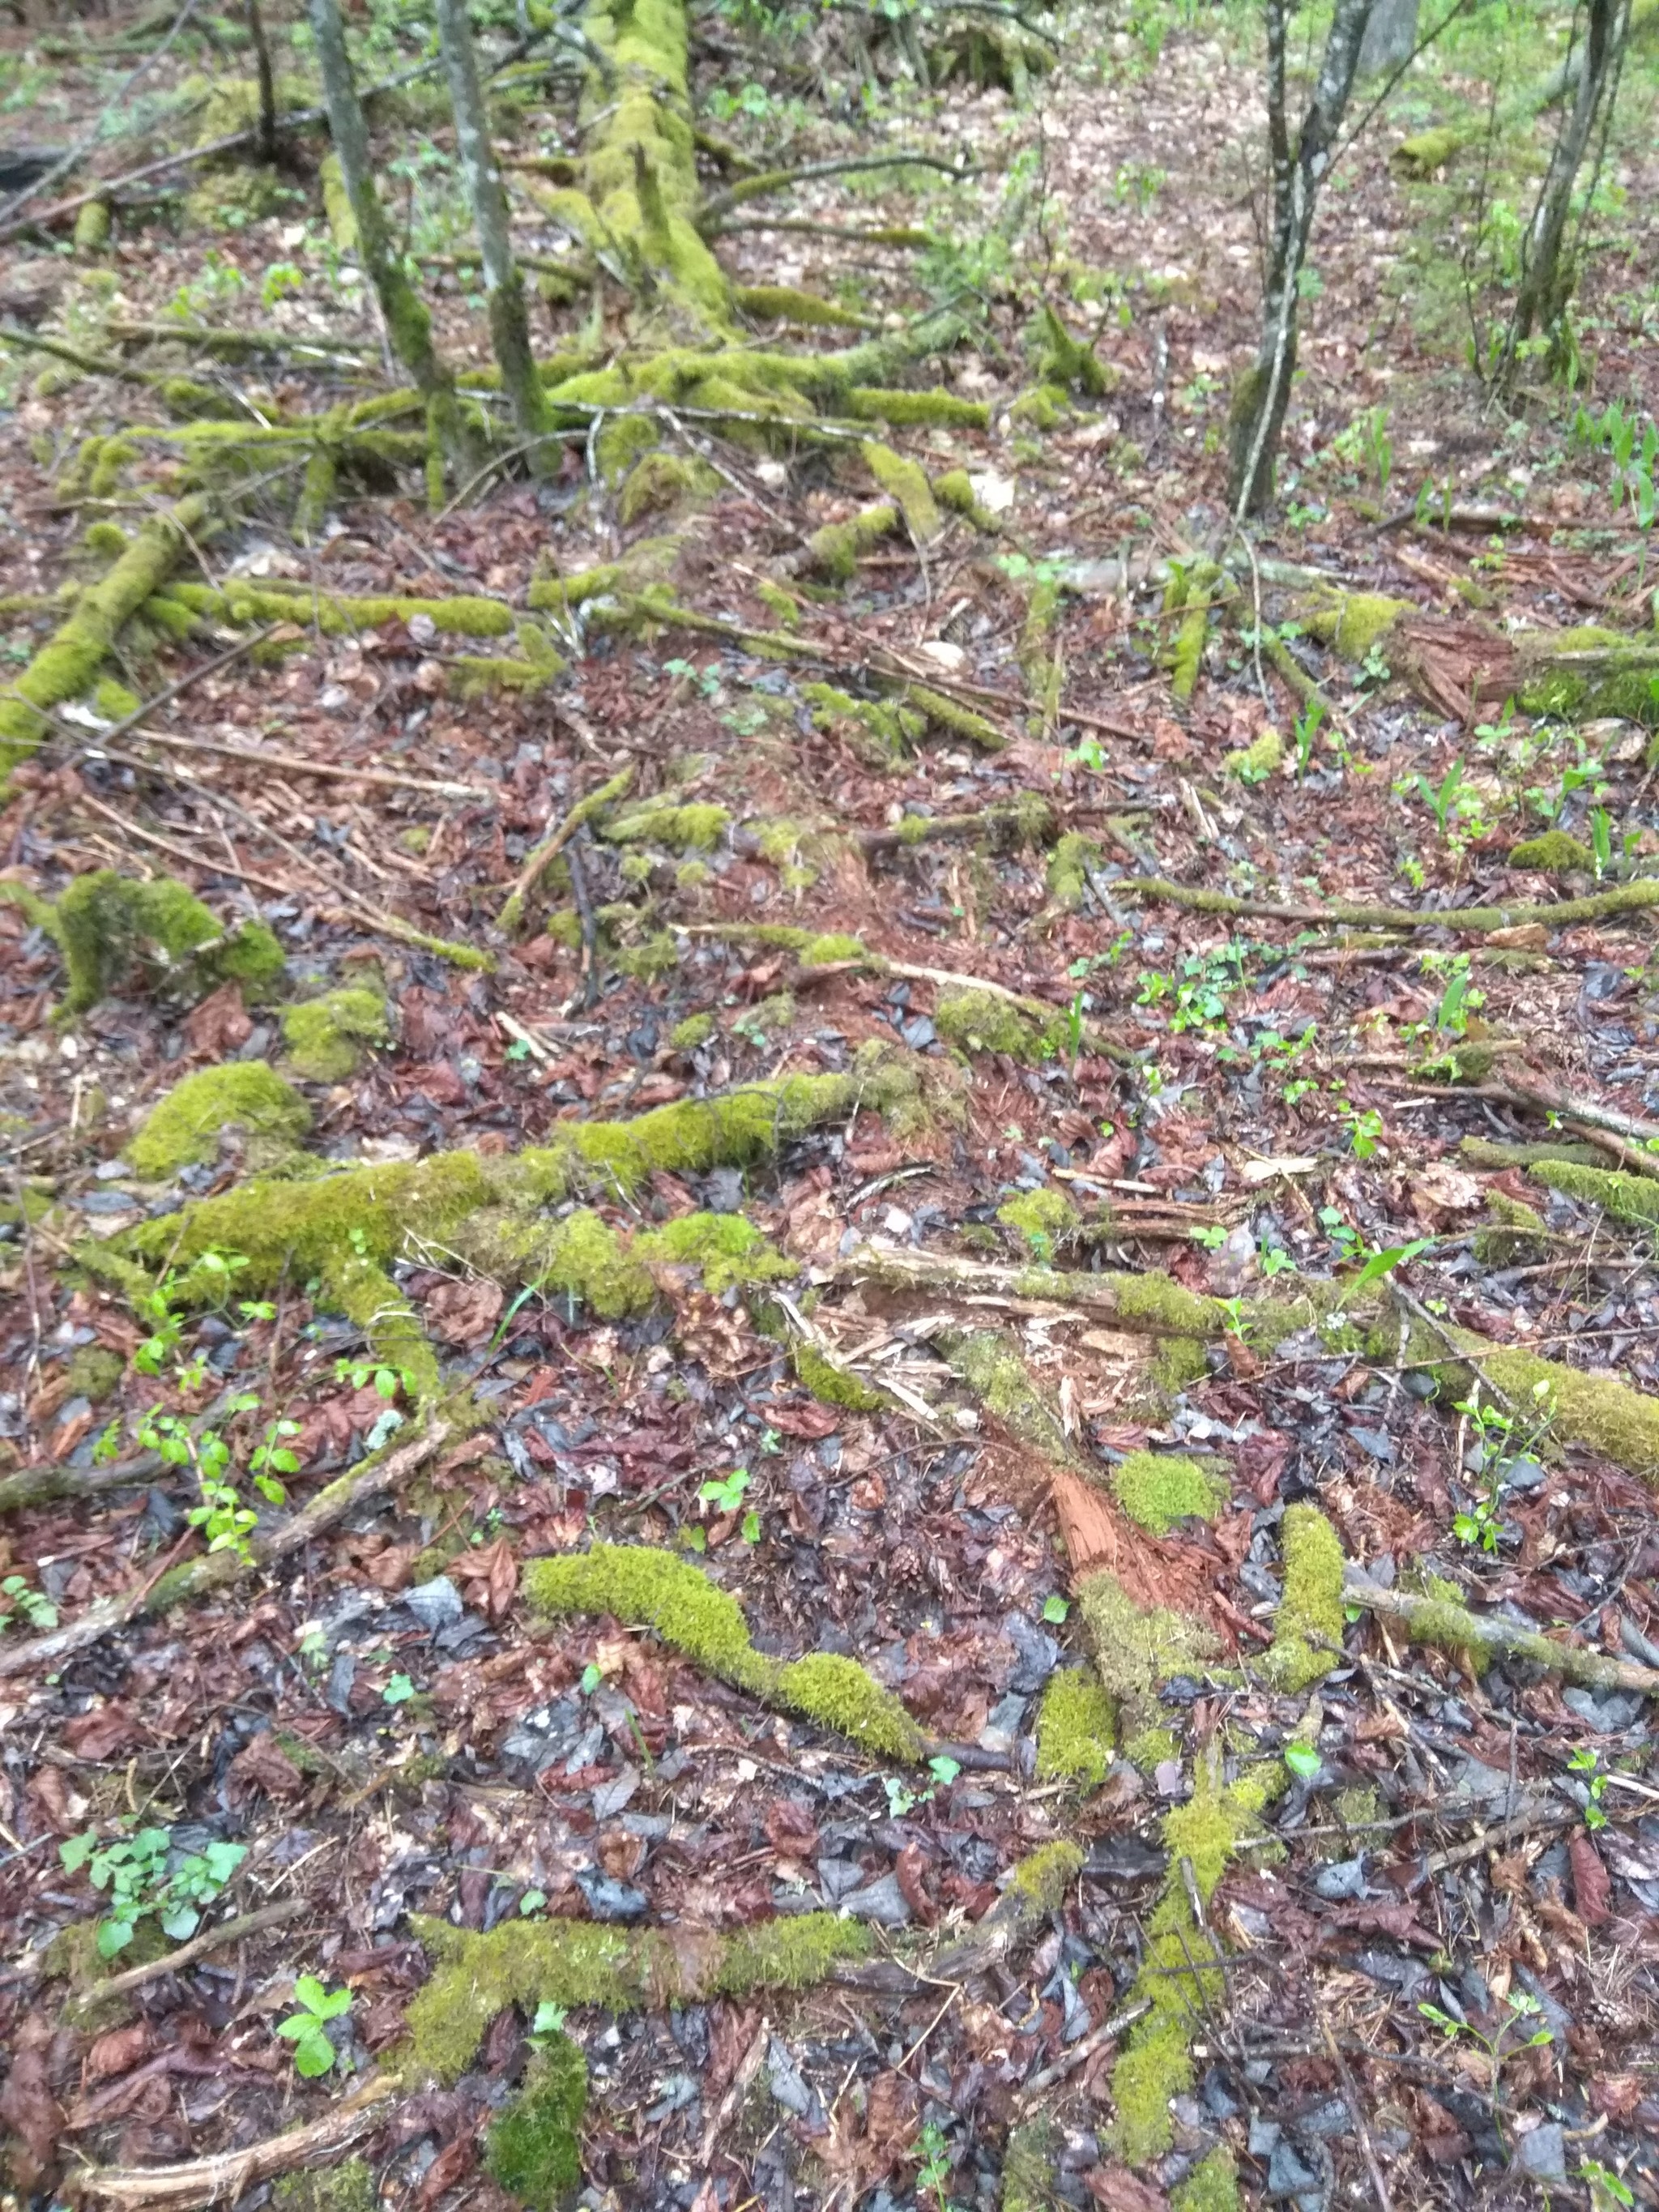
[1592,1885]
[27,2104]
[102,1733]
[262,1766]
[790,1828]
[490,1577]
[118,2052]
[911,1869]
[219,1026]
[1120,2190]
[464,1312]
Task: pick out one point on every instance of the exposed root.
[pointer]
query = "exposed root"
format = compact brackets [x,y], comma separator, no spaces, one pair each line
[1444,1622]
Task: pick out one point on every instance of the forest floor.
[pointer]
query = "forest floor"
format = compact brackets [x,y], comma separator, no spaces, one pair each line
[1417,1897]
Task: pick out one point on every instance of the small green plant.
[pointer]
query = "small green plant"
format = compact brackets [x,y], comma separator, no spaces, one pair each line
[1055,1608]
[1518,2010]
[1363,1125]
[1303,731]
[1605,2186]
[398,1690]
[725,1492]
[16,1597]
[933,2176]
[307,2029]
[1442,797]
[1600,829]
[133,1870]
[1212,1236]
[1303,1761]
[1588,1762]
[360,1374]
[548,2021]
[281,279]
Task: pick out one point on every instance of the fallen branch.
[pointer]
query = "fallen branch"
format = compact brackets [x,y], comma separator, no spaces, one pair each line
[777,180]
[202,1947]
[1623,898]
[39,1485]
[230,2174]
[1453,1627]
[512,911]
[198,1578]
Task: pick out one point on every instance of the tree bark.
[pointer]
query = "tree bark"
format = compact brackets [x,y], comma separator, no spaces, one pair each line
[264,143]
[509,320]
[406,319]
[1546,284]
[1264,392]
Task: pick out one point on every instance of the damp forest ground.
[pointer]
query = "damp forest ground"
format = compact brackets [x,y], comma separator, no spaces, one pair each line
[1064,1282]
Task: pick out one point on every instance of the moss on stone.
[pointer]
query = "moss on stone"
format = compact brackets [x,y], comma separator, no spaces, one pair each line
[531,2149]
[1211,2186]
[1583,674]
[327,1037]
[1043,1219]
[111,927]
[572,1962]
[1255,764]
[1137,1652]
[1628,1198]
[1310,1622]
[1041,1880]
[683,1607]
[183,1129]
[694,1030]
[1157,1490]
[1426,151]
[1076,1729]
[1554,853]
[1178,1361]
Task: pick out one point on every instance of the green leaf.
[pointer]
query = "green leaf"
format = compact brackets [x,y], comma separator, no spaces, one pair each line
[943,1768]
[533,1901]
[113,1937]
[314,2057]
[1304,1760]
[550,2018]
[75,1853]
[1055,1607]
[311,1993]
[591,1679]
[398,1690]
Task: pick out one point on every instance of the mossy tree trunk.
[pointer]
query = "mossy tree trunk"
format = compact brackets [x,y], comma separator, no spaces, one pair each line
[265,145]
[509,319]
[407,320]
[1298,169]
[1547,277]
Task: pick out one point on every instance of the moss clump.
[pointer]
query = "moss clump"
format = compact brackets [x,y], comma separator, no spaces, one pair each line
[660,482]
[881,730]
[977,1021]
[905,483]
[572,1962]
[183,1129]
[1309,1622]
[834,549]
[1178,1361]
[1576,675]
[1070,865]
[987,1362]
[94,1373]
[1138,1652]
[1156,1491]
[110,926]
[1043,1219]
[683,1607]
[1356,620]
[1515,1231]
[954,489]
[1076,1729]
[694,1030]
[1426,151]
[532,2150]
[787,303]
[696,828]
[1634,1199]
[1554,853]
[347,2187]
[1255,764]
[1039,1882]
[1208,1831]
[582,1257]
[1211,2186]
[1028,2166]
[831,1385]
[327,1037]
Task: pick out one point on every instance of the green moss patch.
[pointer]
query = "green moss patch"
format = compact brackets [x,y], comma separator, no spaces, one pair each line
[1136,1653]
[1628,1198]
[113,927]
[1070,864]
[572,1962]
[1156,1491]
[1211,2186]
[1030,2164]
[1255,764]
[987,1362]
[1076,1729]
[347,2187]
[182,1130]
[682,1606]
[532,2149]
[1308,1630]
[327,1037]
[979,1021]
[1354,622]
[1554,853]
[696,828]
[1043,1220]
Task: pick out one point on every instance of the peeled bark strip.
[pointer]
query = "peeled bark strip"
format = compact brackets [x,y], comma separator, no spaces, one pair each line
[509,320]
[407,320]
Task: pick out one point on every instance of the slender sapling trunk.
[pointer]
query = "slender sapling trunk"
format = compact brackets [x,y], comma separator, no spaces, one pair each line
[509,320]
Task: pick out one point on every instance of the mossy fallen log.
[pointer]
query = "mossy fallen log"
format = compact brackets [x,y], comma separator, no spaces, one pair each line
[1562,914]
[1440,1617]
[113,929]
[1627,1198]
[68,665]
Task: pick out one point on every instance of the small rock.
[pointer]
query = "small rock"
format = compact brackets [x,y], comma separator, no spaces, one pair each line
[881,1901]
[608,1900]
[1342,1882]
[434,1604]
[1543,2152]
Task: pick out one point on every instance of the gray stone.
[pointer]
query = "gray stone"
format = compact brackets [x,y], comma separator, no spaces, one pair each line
[1543,2152]
[434,1604]
[1390,36]
[882,1901]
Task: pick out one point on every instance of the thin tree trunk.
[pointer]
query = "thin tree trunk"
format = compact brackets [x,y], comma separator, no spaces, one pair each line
[406,319]
[1546,284]
[265,144]
[509,320]
[1264,392]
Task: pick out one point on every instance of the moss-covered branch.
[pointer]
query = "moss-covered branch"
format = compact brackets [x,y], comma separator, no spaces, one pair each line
[677,1601]
[1444,1621]
[1599,906]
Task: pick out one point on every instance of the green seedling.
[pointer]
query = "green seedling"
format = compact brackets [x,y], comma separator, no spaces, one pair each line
[398,1690]
[16,1597]
[725,1492]
[1588,1763]
[1055,1607]
[1303,731]
[360,1374]
[1443,797]
[933,2177]
[1303,1761]
[306,2030]
[1518,2010]
[133,1870]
